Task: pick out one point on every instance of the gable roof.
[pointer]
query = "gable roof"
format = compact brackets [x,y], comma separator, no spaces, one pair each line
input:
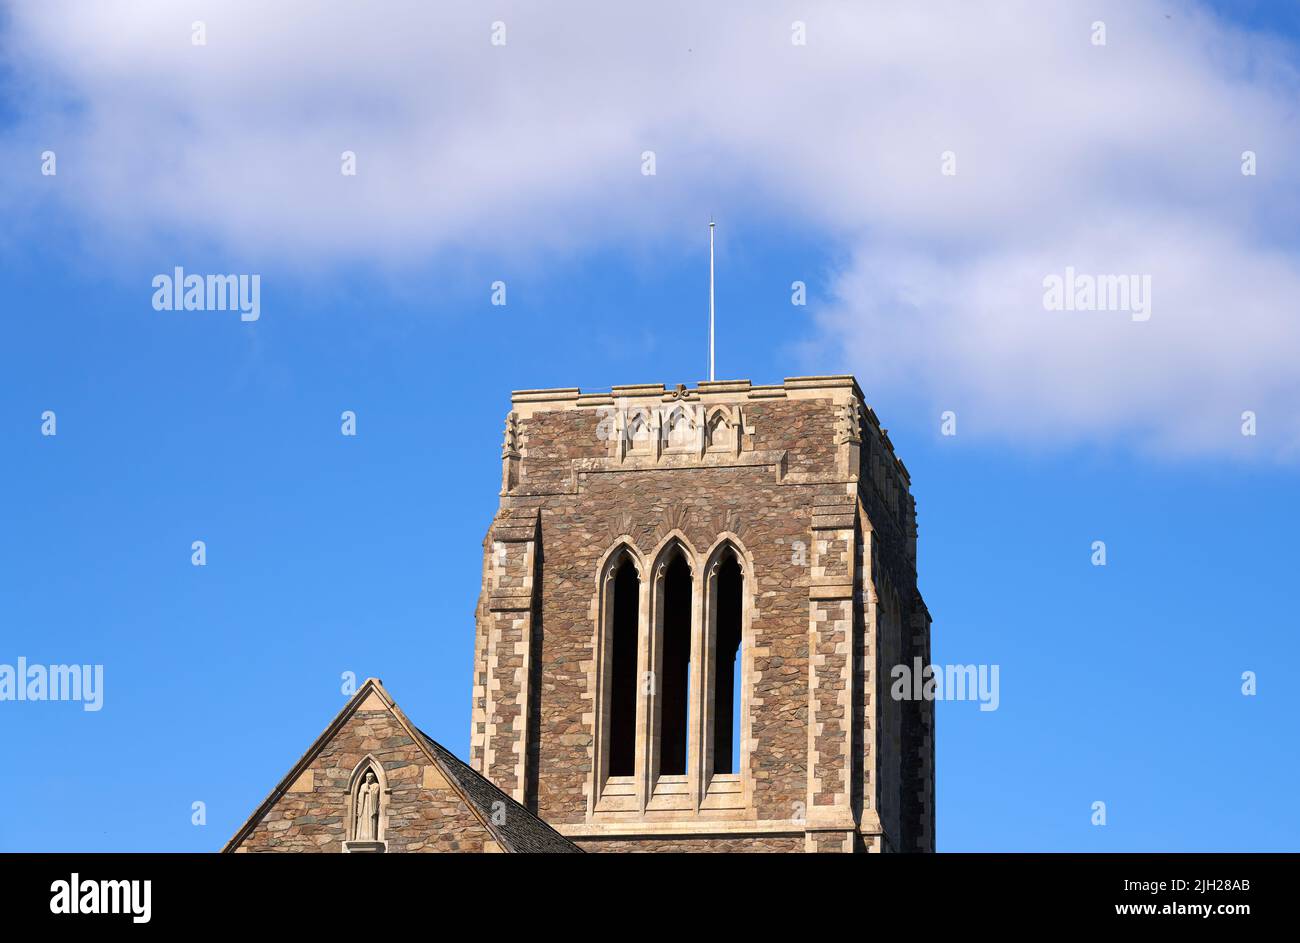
[518,831]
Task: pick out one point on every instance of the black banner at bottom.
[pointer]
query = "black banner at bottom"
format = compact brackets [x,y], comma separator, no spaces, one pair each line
[581,894]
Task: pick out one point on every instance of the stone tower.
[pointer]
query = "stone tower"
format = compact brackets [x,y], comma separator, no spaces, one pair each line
[692,600]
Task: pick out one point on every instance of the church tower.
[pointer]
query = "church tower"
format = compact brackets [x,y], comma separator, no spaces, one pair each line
[692,602]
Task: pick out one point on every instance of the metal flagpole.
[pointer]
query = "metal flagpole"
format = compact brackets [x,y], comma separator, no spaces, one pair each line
[710,299]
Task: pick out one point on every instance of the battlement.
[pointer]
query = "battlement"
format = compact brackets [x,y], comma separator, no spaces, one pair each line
[656,402]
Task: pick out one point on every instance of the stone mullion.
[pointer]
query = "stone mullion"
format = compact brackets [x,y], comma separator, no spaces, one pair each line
[647,684]
[703,632]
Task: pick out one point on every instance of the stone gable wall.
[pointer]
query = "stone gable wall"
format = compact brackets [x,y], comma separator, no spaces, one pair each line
[424,813]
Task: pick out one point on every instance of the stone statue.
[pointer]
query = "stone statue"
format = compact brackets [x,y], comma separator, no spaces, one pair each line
[366,827]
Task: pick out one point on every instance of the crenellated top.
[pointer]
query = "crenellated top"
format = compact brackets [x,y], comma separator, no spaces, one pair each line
[710,418]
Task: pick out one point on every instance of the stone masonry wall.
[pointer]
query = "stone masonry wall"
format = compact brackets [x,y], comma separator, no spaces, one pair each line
[792,497]
[424,813]
[699,503]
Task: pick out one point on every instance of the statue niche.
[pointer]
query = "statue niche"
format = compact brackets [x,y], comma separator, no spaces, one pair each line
[366,824]
[366,808]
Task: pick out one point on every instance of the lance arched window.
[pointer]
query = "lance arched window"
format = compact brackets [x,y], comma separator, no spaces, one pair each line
[729,582]
[671,679]
[672,659]
[623,604]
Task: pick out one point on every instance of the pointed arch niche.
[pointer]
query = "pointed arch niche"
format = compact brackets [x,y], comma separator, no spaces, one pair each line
[640,436]
[722,430]
[679,430]
[366,826]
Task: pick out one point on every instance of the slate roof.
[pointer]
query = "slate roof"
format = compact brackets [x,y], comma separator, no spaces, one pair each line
[519,830]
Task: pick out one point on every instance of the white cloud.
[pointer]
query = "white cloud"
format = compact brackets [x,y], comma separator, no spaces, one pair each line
[1116,159]
[972,335]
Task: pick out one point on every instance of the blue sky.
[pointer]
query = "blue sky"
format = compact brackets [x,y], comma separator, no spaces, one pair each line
[328,554]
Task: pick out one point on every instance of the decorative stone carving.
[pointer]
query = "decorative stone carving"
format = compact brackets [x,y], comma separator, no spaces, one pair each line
[510,447]
[729,523]
[367,807]
[366,827]
[680,429]
[677,517]
[723,430]
[674,433]
[848,424]
[510,454]
[620,524]
[642,434]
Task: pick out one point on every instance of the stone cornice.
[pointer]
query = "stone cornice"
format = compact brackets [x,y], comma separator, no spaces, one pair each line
[837,386]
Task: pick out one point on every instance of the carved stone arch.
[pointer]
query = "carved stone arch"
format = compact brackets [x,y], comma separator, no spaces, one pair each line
[368,763]
[729,538]
[620,527]
[679,427]
[623,543]
[664,548]
[676,517]
[728,524]
[639,429]
[730,541]
[721,430]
